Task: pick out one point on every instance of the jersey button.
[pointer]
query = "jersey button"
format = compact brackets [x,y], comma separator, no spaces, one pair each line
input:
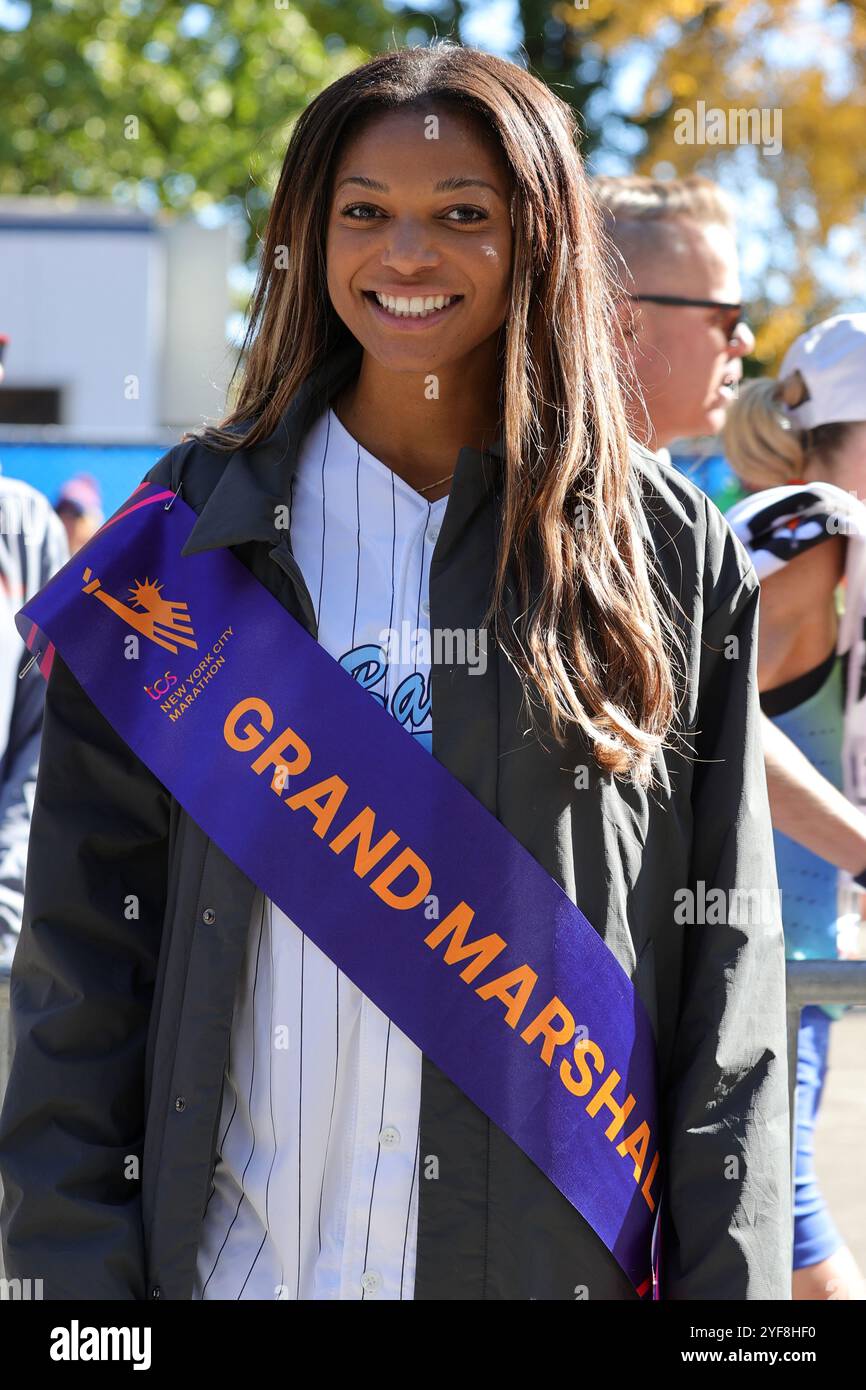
[208,916]
[371,1281]
[389,1137]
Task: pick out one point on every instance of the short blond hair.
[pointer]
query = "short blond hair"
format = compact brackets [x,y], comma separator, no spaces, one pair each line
[643,216]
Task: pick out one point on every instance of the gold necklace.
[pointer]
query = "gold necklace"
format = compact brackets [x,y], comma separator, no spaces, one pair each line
[436,484]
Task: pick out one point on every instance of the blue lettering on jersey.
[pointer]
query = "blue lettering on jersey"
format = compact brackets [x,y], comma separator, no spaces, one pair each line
[410,703]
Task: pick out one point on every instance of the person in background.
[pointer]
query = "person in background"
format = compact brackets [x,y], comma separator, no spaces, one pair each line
[33,546]
[799,445]
[79,506]
[683,326]
[684,338]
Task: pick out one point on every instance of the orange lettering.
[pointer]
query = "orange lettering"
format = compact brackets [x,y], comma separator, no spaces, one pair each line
[456,925]
[251,736]
[580,1088]
[636,1144]
[648,1184]
[332,787]
[367,855]
[604,1096]
[524,978]
[272,756]
[553,1037]
[406,859]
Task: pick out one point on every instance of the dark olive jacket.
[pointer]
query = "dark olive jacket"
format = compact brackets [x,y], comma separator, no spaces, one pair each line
[106,1171]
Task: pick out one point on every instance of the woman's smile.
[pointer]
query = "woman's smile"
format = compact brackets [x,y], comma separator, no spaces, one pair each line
[411,312]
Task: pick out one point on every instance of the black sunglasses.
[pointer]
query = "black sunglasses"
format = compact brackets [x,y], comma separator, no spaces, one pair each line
[734,314]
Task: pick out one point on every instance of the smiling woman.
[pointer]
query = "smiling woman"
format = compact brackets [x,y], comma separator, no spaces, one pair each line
[428,179]
[430,430]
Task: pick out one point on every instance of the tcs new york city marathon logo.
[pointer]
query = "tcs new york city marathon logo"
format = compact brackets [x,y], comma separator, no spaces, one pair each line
[160,620]
[163,621]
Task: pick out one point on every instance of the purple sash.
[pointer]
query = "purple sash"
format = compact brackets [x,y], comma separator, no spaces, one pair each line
[378,853]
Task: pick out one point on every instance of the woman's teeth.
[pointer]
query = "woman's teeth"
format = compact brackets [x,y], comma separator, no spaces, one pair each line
[418,307]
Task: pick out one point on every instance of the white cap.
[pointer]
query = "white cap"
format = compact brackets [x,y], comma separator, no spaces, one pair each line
[831,358]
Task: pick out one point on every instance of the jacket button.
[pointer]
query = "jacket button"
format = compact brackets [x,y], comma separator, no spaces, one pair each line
[208,916]
[180,1103]
[156,1291]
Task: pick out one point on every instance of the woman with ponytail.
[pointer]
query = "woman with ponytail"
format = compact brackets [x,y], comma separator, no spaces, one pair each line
[799,445]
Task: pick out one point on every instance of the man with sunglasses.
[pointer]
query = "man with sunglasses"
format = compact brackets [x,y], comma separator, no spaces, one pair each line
[682,319]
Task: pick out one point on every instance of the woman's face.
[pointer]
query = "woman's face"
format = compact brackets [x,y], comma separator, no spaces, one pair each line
[395,228]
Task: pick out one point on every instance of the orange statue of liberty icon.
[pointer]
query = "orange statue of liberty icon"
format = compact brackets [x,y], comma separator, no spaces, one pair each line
[160,619]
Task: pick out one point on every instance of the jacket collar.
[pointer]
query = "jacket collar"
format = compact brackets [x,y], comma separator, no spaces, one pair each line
[256,481]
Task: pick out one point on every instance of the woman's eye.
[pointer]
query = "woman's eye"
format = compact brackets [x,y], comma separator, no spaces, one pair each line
[366,212]
[480,213]
[358,207]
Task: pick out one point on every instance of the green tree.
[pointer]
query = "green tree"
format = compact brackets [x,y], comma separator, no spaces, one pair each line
[170,104]
[806,62]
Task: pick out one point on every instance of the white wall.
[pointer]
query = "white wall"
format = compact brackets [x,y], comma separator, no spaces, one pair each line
[197,362]
[125,314]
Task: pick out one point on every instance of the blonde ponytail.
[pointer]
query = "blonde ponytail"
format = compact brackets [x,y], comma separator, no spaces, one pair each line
[760,444]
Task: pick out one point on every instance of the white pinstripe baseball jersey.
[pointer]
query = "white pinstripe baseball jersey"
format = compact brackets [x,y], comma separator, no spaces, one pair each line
[315,1189]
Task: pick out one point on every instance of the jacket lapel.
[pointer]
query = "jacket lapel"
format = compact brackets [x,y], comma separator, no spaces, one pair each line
[255,481]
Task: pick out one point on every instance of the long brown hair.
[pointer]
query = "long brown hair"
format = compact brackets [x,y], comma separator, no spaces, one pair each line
[592,637]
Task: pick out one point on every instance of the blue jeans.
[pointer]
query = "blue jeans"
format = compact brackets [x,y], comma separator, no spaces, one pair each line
[815,1236]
